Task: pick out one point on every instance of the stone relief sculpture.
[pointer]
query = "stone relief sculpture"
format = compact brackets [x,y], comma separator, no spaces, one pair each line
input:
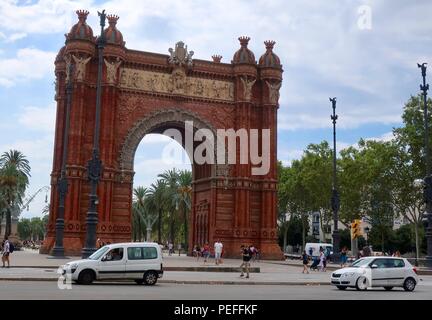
[180,56]
[68,61]
[112,70]
[274,91]
[247,86]
[176,83]
[80,67]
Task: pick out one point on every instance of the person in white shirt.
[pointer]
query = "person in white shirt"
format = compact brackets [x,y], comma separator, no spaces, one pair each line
[218,251]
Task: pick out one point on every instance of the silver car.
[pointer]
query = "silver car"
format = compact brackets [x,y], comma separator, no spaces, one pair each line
[368,272]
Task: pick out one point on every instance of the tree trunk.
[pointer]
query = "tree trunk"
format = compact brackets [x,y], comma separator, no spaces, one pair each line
[417,244]
[185,230]
[139,230]
[8,229]
[285,237]
[172,222]
[160,226]
[303,234]
[382,242]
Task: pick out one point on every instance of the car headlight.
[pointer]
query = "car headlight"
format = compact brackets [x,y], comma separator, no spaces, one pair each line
[349,274]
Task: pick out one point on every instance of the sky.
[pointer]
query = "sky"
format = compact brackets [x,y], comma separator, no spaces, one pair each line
[365,53]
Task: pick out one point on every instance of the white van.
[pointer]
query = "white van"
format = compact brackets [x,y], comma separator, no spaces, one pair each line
[139,261]
[313,249]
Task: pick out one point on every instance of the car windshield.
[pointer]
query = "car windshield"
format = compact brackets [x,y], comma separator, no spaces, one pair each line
[98,254]
[362,262]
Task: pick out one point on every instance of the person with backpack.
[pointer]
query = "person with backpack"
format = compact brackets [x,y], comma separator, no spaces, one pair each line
[247,255]
[305,259]
[8,248]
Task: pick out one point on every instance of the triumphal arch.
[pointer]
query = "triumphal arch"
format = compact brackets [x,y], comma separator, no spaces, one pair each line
[144,92]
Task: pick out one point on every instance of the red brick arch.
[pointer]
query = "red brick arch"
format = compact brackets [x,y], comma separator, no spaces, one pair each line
[146,92]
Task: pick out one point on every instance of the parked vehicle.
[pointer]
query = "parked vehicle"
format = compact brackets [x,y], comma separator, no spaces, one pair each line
[387,272]
[327,247]
[139,261]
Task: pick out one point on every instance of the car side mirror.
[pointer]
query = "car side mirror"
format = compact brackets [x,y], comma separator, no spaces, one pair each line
[374,266]
[104,259]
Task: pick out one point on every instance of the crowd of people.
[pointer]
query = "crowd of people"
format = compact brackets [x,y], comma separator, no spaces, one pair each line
[319,263]
[217,251]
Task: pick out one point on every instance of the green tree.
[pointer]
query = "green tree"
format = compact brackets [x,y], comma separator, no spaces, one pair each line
[14,179]
[184,200]
[411,165]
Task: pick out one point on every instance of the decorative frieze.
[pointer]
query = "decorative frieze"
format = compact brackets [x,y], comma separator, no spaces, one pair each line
[177,83]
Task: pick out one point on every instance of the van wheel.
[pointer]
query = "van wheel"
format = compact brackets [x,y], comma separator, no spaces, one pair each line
[388,288]
[86,277]
[409,284]
[150,278]
[361,284]
[139,281]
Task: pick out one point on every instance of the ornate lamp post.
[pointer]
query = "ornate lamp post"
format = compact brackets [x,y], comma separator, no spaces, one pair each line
[94,167]
[428,179]
[335,194]
[62,184]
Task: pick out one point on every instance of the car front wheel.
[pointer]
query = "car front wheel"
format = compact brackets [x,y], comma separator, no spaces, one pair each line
[150,278]
[86,277]
[361,283]
[409,284]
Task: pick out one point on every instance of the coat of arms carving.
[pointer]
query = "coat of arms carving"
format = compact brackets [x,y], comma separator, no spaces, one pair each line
[180,56]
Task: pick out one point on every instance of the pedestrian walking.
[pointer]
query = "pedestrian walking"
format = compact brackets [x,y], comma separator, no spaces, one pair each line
[206,252]
[322,258]
[246,255]
[305,259]
[218,246]
[179,247]
[344,257]
[7,249]
[170,248]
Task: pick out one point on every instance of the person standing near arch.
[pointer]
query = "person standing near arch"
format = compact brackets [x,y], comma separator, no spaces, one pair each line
[218,246]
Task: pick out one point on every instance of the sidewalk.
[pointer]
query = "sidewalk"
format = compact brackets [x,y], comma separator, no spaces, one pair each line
[30,266]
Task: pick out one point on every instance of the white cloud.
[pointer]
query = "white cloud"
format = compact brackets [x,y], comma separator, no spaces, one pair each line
[29,64]
[40,119]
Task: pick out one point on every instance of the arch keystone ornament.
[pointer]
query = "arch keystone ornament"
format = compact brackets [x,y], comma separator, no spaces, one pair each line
[144,93]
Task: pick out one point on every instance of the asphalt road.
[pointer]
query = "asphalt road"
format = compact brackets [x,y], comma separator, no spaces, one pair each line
[18,290]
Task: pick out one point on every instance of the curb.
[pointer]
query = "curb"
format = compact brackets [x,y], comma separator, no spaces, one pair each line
[420,272]
[207,282]
[192,269]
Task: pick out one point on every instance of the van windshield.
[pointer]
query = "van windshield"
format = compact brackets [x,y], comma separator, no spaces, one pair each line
[98,254]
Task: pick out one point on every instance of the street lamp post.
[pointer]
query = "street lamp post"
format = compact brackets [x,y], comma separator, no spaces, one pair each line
[335,203]
[428,179]
[94,166]
[366,230]
[62,184]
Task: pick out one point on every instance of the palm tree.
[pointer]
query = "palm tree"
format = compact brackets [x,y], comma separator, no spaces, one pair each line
[158,199]
[12,185]
[17,159]
[184,198]
[14,179]
[138,208]
[170,177]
